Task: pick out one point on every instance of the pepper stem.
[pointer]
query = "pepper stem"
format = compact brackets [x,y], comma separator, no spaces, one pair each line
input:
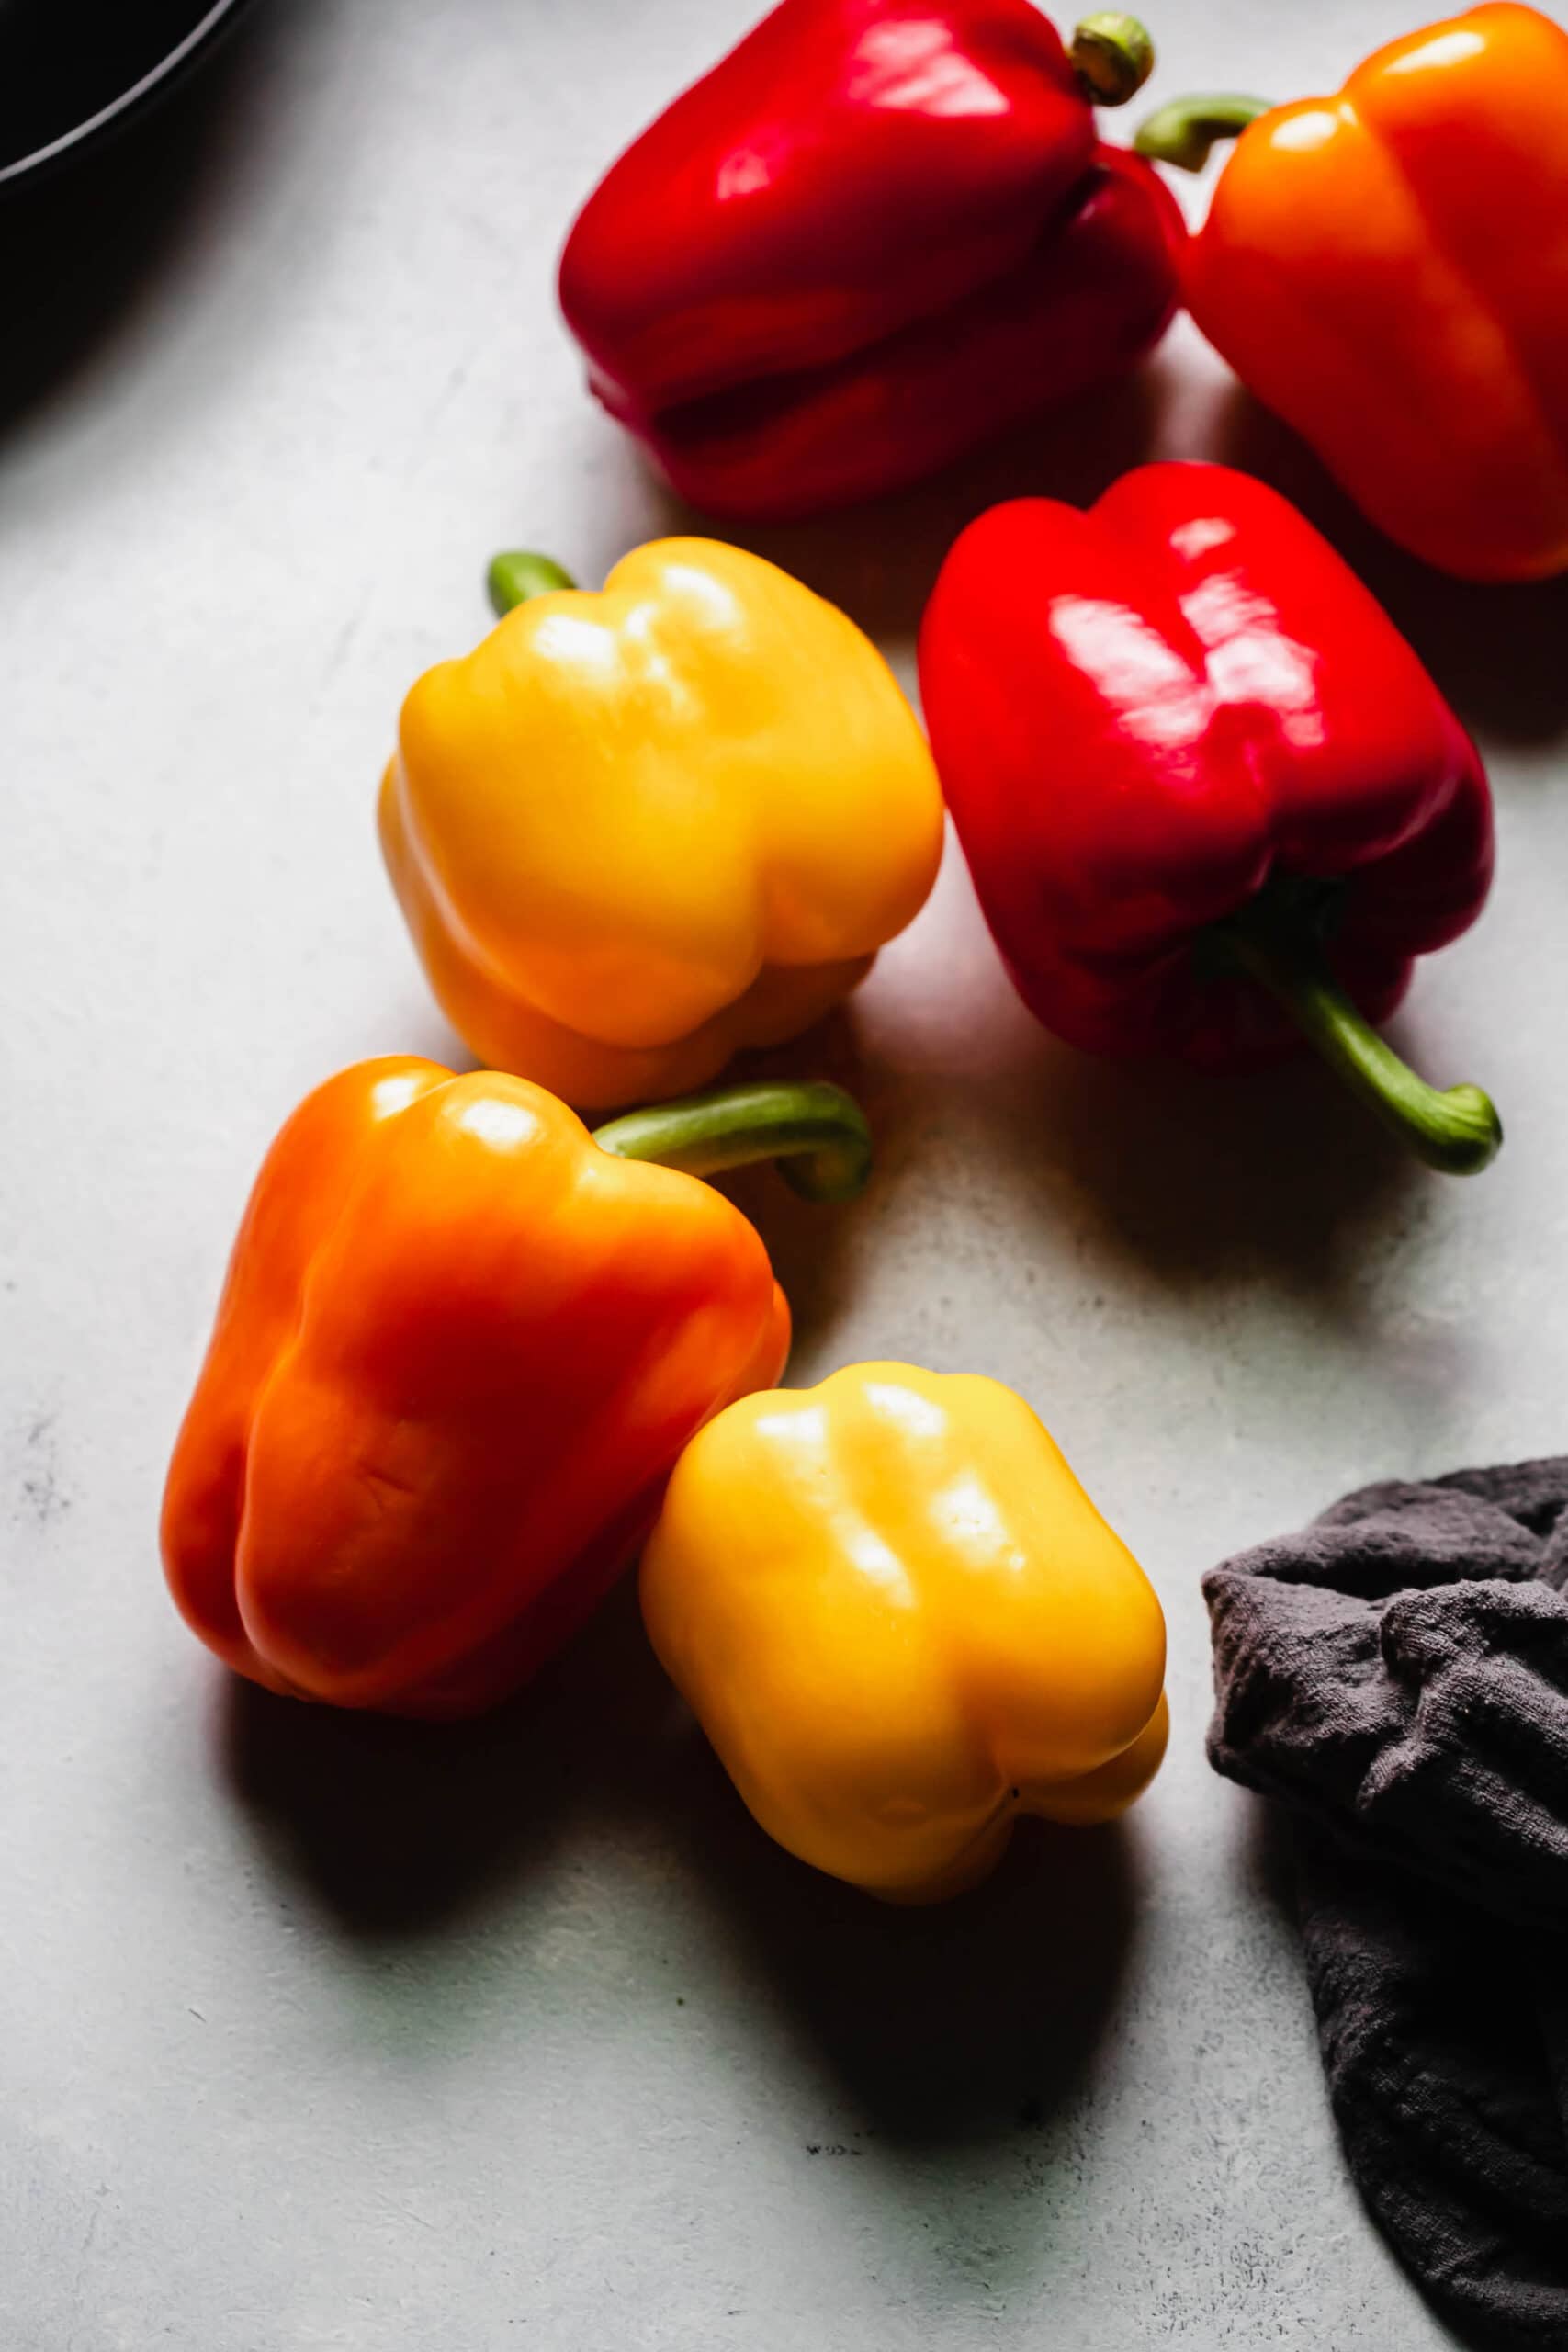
[1457,1132]
[1114,57]
[817,1132]
[1185,132]
[517,575]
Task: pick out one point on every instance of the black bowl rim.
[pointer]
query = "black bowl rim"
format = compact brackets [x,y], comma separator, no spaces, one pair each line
[202,30]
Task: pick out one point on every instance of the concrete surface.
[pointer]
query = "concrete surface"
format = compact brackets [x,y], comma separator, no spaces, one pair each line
[316,2033]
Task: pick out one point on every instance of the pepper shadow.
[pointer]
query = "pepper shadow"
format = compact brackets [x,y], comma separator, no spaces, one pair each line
[1495,650]
[879,560]
[995,1127]
[83,239]
[963,2022]
[942,2055]
[814,1245]
[398,1829]
[967,2021]
[1203,1175]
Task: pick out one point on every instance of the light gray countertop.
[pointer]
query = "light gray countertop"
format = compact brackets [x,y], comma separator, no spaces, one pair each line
[319,2034]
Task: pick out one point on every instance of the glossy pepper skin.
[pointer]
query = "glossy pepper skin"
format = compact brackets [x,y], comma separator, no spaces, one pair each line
[634,832]
[1388,269]
[902,1623]
[876,233]
[1173,721]
[458,1352]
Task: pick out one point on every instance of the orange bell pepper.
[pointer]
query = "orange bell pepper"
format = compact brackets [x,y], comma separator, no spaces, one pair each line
[459,1349]
[1388,269]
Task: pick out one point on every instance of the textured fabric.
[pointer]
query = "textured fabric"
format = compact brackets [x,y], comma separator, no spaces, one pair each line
[1397,1676]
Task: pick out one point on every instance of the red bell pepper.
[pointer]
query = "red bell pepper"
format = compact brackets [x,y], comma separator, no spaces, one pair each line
[1209,796]
[876,233]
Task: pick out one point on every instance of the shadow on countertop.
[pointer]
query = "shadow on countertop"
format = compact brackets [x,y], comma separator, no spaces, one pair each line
[879,561]
[83,241]
[1196,1175]
[1202,1176]
[400,1829]
[960,2021]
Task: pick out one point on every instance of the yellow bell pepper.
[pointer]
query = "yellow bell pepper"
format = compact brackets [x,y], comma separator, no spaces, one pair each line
[637,831]
[902,1623]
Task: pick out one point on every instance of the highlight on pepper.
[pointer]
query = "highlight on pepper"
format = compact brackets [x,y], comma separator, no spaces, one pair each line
[868,241]
[903,1626]
[460,1346]
[635,832]
[1397,252]
[1212,804]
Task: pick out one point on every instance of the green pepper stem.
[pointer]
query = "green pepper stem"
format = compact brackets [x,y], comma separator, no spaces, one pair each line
[1457,1132]
[817,1132]
[1114,57]
[519,574]
[1185,132]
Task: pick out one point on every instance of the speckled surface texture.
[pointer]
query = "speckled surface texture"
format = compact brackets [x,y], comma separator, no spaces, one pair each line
[316,2034]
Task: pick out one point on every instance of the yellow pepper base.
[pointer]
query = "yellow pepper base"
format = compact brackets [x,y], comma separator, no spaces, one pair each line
[903,1625]
[504,1030]
[1099,1797]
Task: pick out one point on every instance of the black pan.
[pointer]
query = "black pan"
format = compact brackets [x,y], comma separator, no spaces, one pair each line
[71,70]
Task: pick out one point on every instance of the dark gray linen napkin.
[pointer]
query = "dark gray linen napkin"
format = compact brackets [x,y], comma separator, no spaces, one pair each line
[1397,1675]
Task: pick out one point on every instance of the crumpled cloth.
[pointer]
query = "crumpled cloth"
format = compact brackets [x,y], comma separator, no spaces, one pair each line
[1396,1676]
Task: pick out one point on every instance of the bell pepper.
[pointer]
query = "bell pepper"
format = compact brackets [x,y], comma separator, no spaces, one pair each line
[1388,269]
[1210,798]
[460,1346]
[902,1623]
[877,234]
[635,832]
